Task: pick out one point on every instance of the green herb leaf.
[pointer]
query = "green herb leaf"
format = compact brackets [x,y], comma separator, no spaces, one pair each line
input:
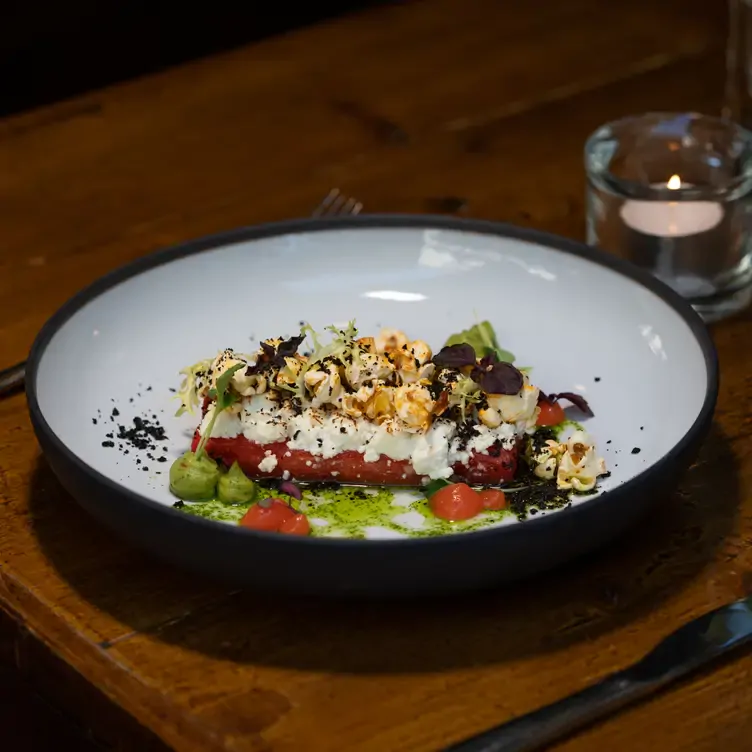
[224,399]
[435,485]
[482,339]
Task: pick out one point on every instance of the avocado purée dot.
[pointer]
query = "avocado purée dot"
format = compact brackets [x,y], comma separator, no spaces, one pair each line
[235,487]
[194,478]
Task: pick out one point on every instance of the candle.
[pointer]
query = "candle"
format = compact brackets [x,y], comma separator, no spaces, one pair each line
[672,219]
[701,246]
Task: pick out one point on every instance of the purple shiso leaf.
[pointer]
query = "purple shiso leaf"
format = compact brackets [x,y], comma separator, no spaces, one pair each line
[289,488]
[576,399]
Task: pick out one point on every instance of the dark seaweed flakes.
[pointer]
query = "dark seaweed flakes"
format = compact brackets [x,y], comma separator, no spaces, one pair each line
[142,434]
[537,497]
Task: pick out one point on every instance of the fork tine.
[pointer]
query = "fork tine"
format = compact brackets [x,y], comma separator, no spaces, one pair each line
[335,203]
[336,206]
[349,206]
[323,207]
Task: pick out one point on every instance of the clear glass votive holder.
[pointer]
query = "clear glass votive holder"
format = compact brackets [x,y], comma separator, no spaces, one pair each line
[672,193]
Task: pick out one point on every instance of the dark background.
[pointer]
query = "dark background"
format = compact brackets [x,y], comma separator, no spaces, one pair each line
[55,49]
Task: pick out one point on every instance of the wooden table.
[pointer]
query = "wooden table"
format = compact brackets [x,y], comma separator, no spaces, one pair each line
[441,105]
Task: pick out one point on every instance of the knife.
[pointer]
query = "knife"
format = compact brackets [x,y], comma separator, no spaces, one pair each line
[688,648]
[12,378]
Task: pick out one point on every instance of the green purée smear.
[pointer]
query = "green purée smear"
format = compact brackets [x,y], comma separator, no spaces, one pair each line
[348,511]
[351,512]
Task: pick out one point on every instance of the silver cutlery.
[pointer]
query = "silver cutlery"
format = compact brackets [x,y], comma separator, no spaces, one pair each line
[689,648]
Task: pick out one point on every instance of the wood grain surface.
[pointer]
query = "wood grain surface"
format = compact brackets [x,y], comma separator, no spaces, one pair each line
[471,106]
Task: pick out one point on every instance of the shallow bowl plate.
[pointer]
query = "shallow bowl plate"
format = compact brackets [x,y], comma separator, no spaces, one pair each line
[585,322]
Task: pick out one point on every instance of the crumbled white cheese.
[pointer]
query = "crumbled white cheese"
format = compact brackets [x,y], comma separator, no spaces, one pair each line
[268,463]
[227,426]
[263,420]
[431,455]
[327,433]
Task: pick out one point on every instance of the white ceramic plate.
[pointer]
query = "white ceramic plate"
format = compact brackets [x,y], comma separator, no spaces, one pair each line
[584,321]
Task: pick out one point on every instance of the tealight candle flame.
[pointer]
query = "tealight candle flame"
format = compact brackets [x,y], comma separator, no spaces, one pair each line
[674,182]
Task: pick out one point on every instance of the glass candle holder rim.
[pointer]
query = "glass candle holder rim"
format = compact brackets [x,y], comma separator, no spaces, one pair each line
[636,189]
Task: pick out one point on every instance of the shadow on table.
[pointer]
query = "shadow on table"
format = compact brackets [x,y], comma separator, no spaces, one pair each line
[580,601]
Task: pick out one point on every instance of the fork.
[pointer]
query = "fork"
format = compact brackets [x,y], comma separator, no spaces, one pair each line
[334,204]
[337,203]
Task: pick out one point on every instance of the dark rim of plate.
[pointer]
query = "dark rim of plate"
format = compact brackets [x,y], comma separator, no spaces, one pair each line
[366,222]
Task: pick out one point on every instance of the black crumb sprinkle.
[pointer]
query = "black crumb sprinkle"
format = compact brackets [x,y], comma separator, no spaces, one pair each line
[148,388]
[143,434]
[332,485]
[597,379]
[179,504]
[173,390]
[94,421]
[162,459]
[609,441]
[642,428]
[108,444]
[138,462]
[636,450]
[538,497]
[145,468]
[130,399]
[115,412]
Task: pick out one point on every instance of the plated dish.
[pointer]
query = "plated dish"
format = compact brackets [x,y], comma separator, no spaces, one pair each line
[103,382]
[463,428]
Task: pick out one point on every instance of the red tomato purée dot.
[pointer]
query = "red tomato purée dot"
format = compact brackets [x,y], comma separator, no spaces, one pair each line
[456,502]
[267,514]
